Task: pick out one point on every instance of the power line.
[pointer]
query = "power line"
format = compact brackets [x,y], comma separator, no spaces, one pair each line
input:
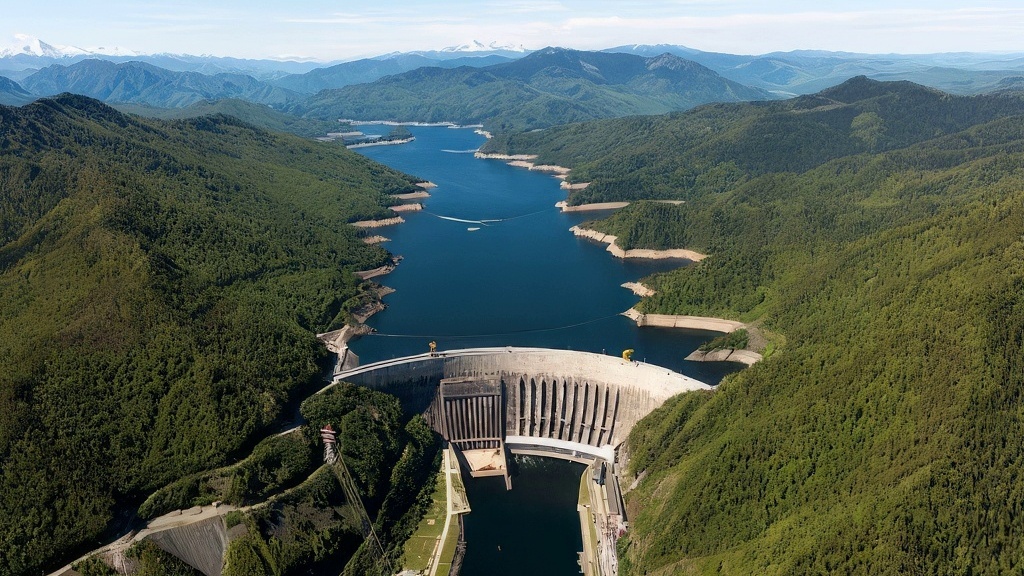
[510,333]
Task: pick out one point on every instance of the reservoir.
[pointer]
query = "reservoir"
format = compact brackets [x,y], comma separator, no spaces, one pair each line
[490,261]
[512,276]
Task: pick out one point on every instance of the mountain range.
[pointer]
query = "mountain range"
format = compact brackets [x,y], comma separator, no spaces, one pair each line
[808,71]
[548,87]
[12,94]
[370,69]
[138,82]
[122,76]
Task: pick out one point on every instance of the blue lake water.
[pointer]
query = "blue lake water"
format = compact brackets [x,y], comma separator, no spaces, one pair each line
[523,280]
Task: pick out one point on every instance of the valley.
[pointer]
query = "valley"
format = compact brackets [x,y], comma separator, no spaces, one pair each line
[844,228]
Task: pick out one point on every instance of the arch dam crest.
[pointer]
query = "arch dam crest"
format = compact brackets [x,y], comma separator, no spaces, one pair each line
[558,403]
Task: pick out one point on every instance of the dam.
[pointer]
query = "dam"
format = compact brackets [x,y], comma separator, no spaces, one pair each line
[562,403]
[490,403]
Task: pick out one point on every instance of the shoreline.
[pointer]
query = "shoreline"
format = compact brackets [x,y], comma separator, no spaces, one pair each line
[615,250]
[739,355]
[526,161]
[378,223]
[379,271]
[680,321]
[412,195]
[748,357]
[578,186]
[379,143]
[638,288]
[413,207]
[446,124]
[593,207]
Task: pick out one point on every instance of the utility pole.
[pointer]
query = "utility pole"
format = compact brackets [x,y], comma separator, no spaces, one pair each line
[334,458]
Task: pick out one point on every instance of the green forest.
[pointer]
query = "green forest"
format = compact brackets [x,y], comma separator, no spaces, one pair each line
[549,87]
[887,435]
[715,148]
[162,283]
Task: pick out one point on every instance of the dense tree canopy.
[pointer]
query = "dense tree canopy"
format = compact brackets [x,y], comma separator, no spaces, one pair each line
[884,242]
[162,283]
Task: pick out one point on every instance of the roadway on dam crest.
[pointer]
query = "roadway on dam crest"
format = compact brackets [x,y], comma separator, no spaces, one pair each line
[564,396]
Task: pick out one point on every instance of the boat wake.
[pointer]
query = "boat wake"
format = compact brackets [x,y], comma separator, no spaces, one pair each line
[453,219]
[486,222]
[461,151]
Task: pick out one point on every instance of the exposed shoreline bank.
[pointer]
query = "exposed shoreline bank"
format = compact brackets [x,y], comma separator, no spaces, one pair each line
[743,356]
[679,321]
[639,289]
[594,207]
[413,207]
[615,250]
[379,143]
[379,223]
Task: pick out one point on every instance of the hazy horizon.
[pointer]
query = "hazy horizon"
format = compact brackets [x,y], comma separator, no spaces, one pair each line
[318,31]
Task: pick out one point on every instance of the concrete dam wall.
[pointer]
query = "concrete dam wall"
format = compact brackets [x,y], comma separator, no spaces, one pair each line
[574,397]
[200,545]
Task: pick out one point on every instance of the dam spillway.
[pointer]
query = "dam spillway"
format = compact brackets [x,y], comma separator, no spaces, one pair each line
[552,400]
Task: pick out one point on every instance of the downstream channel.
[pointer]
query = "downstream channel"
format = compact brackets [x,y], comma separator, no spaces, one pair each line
[490,261]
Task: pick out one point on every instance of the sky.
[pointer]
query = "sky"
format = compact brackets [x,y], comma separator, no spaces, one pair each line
[334,30]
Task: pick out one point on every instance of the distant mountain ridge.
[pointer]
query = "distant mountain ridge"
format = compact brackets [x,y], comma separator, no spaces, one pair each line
[548,87]
[681,156]
[141,83]
[12,94]
[371,69]
[808,71]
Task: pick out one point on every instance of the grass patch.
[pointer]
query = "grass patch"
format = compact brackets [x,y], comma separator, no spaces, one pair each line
[420,546]
[444,562]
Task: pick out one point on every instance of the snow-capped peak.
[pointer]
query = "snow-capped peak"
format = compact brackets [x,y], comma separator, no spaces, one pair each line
[32,46]
[477,46]
[113,51]
[23,44]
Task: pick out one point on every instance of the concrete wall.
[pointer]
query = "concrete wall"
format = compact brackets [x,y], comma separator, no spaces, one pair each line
[580,397]
[200,545]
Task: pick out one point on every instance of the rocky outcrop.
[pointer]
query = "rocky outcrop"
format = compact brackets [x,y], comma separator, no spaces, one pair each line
[747,357]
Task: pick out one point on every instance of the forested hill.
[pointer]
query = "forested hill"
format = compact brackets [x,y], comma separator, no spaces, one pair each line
[258,115]
[549,87]
[884,433]
[161,285]
[715,147]
[141,83]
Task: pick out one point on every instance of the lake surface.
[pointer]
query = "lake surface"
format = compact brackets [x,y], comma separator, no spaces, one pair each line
[491,262]
[520,280]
